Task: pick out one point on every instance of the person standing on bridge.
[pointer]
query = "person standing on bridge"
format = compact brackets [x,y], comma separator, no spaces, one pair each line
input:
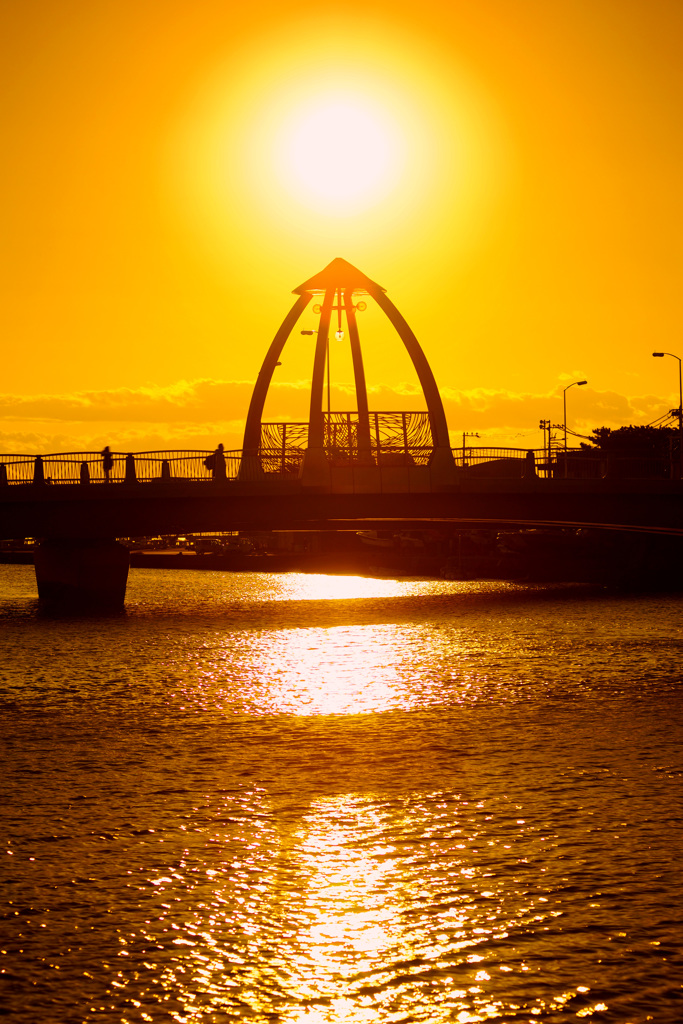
[107,462]
[216,463]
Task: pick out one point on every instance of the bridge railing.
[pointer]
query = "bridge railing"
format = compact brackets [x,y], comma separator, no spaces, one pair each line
[284,462]
[191,466]
[184,465]
[16,469]
[510,463]
[575,464]
[579,465]
[89,467]
[287,461]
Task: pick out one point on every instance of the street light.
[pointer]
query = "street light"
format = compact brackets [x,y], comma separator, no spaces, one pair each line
[680,403]
[564,399]
[338,335]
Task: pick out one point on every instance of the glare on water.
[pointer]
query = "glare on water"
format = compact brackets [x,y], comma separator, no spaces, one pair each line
[324,799]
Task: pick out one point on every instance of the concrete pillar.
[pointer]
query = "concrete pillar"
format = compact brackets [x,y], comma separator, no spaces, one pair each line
[315,469]
[82,573]
[130,477]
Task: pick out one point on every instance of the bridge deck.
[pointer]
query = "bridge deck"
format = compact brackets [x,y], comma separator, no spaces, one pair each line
[178,506]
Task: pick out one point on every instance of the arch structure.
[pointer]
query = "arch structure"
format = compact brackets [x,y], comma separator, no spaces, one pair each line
[358,450]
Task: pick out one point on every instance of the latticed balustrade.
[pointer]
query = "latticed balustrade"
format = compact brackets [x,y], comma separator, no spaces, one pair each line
[391,438]
[282,447]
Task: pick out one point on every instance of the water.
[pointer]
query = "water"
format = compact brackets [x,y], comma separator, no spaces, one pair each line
[320,799]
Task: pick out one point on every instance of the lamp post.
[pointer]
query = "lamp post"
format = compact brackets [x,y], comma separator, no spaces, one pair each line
[680,404]
[564,400]
[339,335]
[580,383]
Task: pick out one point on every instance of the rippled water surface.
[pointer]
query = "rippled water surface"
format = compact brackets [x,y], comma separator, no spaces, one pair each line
[320,799]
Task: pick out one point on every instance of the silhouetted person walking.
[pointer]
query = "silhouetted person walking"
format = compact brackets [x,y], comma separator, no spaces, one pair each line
[219,464]
[107,463]
[216,463]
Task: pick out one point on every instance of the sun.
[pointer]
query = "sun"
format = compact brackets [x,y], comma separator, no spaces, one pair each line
[293,149]
[340,153]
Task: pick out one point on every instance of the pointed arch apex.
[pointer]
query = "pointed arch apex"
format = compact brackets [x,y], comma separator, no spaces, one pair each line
[339,274]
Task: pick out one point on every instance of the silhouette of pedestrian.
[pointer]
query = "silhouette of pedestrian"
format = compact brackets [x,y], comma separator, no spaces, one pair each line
[218,472]
[216,463]
[107,462]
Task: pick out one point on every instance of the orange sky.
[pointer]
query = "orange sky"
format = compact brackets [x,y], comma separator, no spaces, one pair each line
[528,224]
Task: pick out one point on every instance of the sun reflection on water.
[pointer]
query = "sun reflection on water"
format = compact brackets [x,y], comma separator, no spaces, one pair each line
[338,664]
[331,671]
[260,850]
[323,587]
[353,909]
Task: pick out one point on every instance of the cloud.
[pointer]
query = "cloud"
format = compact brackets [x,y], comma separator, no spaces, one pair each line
[198,414]
[483,409]
[185,401]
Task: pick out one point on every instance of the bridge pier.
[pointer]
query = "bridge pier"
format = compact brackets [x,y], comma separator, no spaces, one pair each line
[315,469]
[82,573]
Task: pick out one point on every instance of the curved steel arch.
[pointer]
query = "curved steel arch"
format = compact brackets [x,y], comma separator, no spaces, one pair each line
[341,278]
[252,429]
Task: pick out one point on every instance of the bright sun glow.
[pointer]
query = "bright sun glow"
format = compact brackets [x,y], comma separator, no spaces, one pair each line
[342,152]
[288,151]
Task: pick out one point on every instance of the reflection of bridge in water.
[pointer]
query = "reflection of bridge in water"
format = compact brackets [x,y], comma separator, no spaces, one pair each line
[359,469]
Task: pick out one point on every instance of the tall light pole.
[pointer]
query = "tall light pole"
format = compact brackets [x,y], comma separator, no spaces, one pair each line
[680,404]
[580,383]
[564,399]
[327,361]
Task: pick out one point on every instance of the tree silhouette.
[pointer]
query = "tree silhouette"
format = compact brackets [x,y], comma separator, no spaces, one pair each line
[634,442]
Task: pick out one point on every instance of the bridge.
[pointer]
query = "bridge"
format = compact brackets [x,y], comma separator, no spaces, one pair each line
[360,469]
